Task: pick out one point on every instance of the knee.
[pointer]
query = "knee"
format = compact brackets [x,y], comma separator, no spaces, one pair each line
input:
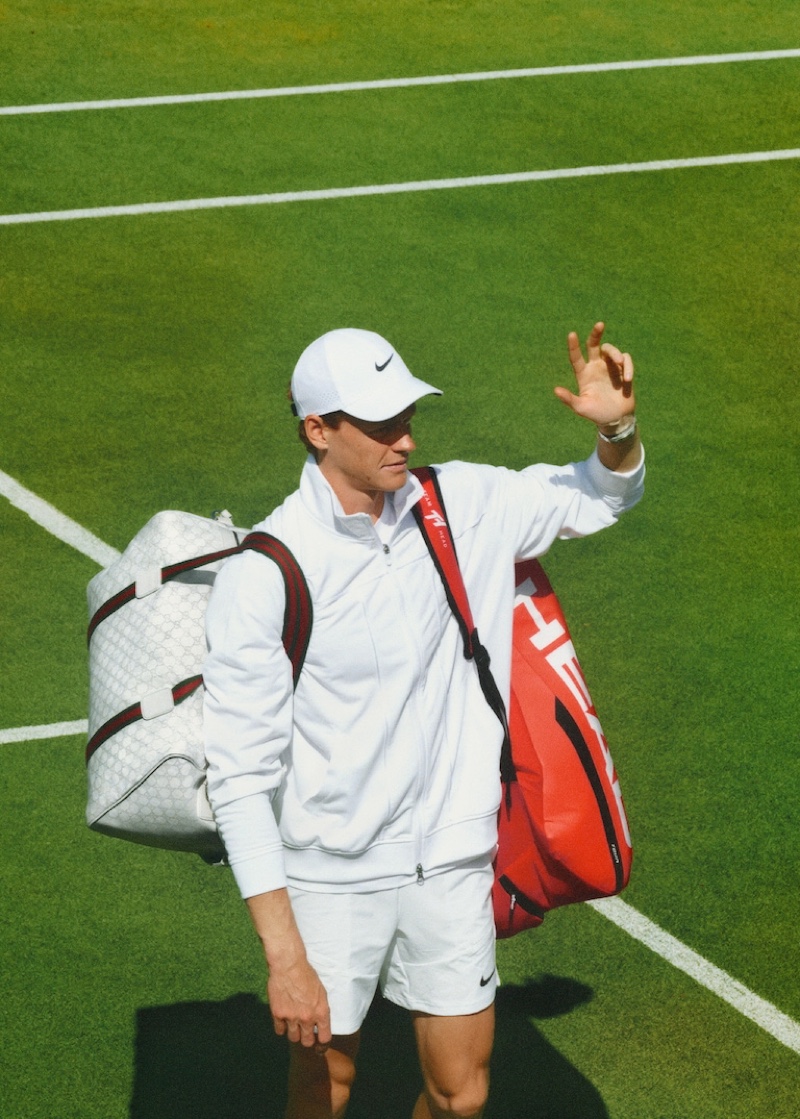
[467,1101]
[342,1076]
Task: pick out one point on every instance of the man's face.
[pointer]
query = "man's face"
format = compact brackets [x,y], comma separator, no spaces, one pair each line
[364,459]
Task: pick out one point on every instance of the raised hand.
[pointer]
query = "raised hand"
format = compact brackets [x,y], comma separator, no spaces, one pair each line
[605,382]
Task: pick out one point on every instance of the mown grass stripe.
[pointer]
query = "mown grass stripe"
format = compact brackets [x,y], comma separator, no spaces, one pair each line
[181,205]
[752,1006]
[398,83]
[56,523]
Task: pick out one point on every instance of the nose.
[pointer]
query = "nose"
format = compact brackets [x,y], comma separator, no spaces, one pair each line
[405,443]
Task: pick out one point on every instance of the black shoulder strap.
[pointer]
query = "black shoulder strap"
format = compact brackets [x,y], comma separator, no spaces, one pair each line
[431,516]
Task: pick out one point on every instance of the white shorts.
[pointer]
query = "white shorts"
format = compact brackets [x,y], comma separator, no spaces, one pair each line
[430,945]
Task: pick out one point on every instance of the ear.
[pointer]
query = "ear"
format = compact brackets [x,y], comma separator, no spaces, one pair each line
[316,432]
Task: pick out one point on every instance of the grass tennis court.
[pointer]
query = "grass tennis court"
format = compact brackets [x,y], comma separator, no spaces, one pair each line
[144,364]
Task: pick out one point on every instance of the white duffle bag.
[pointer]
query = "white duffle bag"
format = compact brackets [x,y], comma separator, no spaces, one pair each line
[145,756]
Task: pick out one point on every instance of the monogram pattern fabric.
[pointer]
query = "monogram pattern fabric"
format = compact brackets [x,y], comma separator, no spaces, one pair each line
[147,779]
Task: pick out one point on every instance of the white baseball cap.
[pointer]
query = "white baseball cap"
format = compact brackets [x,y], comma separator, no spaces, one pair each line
[357,372]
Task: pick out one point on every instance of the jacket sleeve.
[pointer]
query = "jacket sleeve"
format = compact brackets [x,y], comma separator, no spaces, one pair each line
[247,716]
[575,500]
[521,512]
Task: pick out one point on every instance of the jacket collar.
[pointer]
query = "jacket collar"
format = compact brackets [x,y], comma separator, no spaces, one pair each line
[320,500]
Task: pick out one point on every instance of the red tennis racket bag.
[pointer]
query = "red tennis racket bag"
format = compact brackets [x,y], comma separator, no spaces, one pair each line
[562,831]
[563,834]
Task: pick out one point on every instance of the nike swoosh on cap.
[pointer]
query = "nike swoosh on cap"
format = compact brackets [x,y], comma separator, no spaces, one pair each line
[381,368]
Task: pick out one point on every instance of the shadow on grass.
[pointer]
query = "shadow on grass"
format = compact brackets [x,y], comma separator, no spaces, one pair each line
[208,1060]
[221,1060]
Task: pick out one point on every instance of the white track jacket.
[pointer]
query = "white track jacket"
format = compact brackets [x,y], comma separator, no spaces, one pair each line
[383,765]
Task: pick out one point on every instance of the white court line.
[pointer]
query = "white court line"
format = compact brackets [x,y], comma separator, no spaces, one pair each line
[56,523]
[752,1006]
[48,730]
[181,205]
[398,83]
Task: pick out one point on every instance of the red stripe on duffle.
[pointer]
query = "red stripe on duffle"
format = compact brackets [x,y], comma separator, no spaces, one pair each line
[133,713]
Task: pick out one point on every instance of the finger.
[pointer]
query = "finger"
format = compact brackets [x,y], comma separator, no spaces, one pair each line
[279,1025]
[594,339]
[575,352]
[321,1040]
[627,368]
[323,1028]
[612,354]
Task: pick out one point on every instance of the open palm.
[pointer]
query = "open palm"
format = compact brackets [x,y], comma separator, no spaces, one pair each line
[605,381]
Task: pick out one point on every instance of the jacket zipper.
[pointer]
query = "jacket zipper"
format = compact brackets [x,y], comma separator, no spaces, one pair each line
[419,838]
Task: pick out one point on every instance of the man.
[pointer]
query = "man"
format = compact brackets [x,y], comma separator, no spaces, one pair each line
[359,813]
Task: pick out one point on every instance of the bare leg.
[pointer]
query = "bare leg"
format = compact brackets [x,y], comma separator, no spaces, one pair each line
[454,1054]
[320,1083]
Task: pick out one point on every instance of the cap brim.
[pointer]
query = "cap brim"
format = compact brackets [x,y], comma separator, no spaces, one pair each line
[382,405]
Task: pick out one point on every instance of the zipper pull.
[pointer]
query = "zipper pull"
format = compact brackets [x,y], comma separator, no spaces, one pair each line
[420,875]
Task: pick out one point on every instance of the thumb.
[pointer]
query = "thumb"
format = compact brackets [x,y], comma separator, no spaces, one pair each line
[567,397]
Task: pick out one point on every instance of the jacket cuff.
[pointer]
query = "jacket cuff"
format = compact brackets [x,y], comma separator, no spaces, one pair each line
[620,488]
[253,845]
